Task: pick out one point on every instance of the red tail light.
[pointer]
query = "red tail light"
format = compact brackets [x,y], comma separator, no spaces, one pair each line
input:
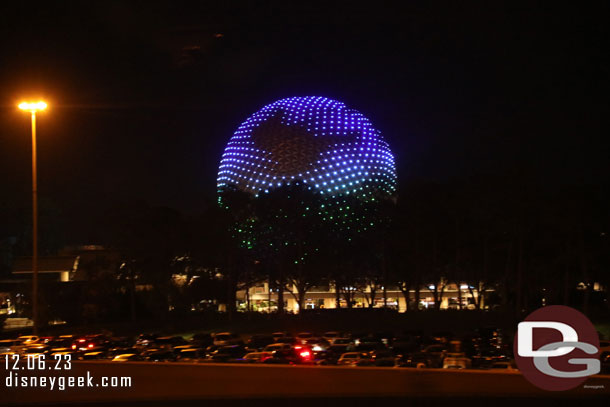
[305,354]
[90,345]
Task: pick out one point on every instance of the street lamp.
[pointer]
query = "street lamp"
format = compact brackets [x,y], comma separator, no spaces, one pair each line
[33,108]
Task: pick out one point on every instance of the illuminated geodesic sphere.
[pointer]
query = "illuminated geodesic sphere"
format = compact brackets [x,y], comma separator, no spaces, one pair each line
[335,150]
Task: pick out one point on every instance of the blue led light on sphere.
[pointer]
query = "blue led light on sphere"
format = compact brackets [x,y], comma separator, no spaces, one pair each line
[335,150]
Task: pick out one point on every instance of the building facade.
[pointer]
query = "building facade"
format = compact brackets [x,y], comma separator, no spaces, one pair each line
[262,299]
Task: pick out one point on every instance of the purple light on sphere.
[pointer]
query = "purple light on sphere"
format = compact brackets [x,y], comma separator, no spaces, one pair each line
[335,150]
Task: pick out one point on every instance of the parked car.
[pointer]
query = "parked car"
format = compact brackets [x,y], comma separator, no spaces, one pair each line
[60,343]
[202,340]
[178,349]
[256,357]
[331,336]
[456,361]
[383,358]
[342,341]
[303,337]
[169,341]
[295,355]
[317,344]
[484,357]
[277,335]
[604,349]
[191,355]
[258,342]
[226,338]
[127,357]
[353,358]
[122,350]
[90,343]
[417,360]
[275,347]
[145,340]
[27,339]
[34,349]
[9,345]
[93,355]
[435,355]
[288,339]
[605,364]
[405,344]
[159,355]
[369,343]
[228,353]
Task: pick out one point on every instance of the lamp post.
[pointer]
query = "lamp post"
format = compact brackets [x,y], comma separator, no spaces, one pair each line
[33,108]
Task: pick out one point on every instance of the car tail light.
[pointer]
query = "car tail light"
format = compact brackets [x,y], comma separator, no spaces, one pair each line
[305,354]
[73,346]
[90,345]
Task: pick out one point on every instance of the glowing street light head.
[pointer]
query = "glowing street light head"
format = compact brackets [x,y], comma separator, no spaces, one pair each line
[33,106]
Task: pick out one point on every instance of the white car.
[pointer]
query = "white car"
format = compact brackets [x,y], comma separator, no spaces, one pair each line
[352,358]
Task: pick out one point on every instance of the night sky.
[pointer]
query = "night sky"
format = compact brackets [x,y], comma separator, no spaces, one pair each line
[143,96]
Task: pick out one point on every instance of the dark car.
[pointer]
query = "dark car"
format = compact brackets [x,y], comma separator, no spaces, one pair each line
[35,348]
[8,345]
[202,340]
[146,339]
[64,343]
[288,339]
[294,355]
[383,358]
[228,353]
[435,355]
[405,344]
[258,342]
[368,343]
[605,364]
[484,358]
[418,360]
[334,352]
[227,338]
[90,343]
[169,341]
[160,355]
[93,355]
[121,341]
[191,355]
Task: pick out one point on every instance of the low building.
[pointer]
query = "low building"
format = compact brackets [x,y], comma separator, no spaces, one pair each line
[262,299]
[53,268]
